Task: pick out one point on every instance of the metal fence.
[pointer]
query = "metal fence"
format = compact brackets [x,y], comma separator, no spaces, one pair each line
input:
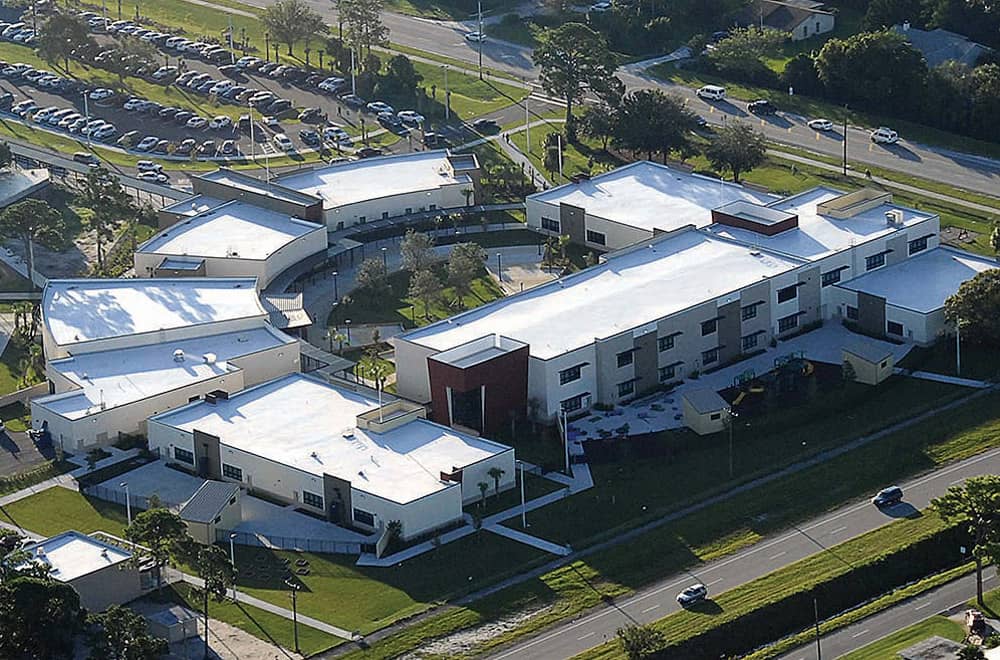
[275,542]
[117,496]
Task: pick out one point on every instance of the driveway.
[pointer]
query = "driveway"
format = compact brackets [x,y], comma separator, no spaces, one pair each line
[19,454]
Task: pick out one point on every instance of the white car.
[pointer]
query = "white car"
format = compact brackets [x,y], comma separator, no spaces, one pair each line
[336,134]
[271,122]
[164,72]
[378,107]
[93,126]
[134,104]
[153,177]
[284,142]
[104,132]
[820,124]
[883,135]
[69,120]
[58,116]
[693,594]
[148,166]
[24,108]
[249,62]
[220,122]
[197,122]
[173,41]
[101,94]
[147,143]
[411,117]
[44,114]
[600,7]
[475,37]
[221,86]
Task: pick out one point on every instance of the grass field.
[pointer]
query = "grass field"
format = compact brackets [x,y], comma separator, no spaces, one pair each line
[58,509]
[887,648]
[12,370]
[978,361]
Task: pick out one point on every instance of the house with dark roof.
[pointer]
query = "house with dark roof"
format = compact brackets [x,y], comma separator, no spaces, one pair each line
[939,46]
[801,19]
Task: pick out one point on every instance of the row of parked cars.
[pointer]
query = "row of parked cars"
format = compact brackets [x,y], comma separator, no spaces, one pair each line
[19,33]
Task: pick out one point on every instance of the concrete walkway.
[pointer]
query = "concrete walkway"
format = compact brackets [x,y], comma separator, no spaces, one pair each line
[528,539]
[941,378]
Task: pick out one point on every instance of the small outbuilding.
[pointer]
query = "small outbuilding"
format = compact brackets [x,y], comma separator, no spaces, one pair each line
[933,648]
[705,412]
[216,505]
[174,624]
[872,364]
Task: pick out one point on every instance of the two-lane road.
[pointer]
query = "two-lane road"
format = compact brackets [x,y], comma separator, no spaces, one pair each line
[657,601]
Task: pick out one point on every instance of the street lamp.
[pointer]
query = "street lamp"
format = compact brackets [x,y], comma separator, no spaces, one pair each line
[524,509]
[128,502]
[336,291]
[267,46]
[845,139]
[232,559]
[499,268]
[347,322]
[732,416]
[385,262]
[295,611]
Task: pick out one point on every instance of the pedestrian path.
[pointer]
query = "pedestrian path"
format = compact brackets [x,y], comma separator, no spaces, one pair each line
[942,378]
[528,539]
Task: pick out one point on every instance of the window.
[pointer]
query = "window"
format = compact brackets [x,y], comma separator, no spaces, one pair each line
[894,328]
[362,219]
[569,375]
[433,207]
[626,388]
[788,293]
[708,327]
[715,417]
[875,261]
[710,356]
[830,278]
[596,237]
[364,518]
[312,499]
[918,245]
[385,215]
[409,210]
[548,224]
[668,372]
[750,341]
[232,472]
[184,456]
[787,323]
[748,312]
[852,313]
[572,404]
[665,343]
[625,358]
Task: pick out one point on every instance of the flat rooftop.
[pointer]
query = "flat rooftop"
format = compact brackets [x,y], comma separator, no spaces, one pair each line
[233,230]
[817,235]
[316,432]
[651,196]
[123,376]
[194,205]
[84,310]
[72,555]
[629,289]
[922,283]
[374,178]
[247,183]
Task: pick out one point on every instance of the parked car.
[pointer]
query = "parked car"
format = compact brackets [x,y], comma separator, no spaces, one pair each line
[162,147]
[761,107]
[147,143]
[820,124]
[279,106]
[185,147]
[888,496]
[272,122]
[378,107]
[389,121]
[182,117]
[153,177]
[104,132]
[410,117]
[167,114]
[485,125]
[249,62]
[148,166]
[336,134]
[100,94]
[353,101]
[164,73]
[368,152]
[86,158]
[196,122]
[883,135]
[693,594]
[127,139]
[207,148]
[475,37]
[283,142]
[711,93]
[310,137]
[309,115]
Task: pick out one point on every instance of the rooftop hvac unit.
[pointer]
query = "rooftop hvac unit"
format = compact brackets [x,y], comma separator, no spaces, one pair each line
[893,217]
[348,434]
[178,355]
[209,358]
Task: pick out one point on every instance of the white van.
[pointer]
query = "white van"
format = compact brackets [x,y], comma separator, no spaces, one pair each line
[712,93]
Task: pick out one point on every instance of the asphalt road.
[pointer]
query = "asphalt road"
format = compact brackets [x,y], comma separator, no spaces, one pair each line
[945,599]
[657,601]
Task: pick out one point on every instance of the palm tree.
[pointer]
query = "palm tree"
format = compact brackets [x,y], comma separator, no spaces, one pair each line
[496,474]
[483,487]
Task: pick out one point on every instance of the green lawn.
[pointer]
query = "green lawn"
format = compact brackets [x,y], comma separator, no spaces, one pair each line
[16,417]
[259,623]
[12,373]
[516,29]
[534,486]
[888,648]
[10,483]
[978,361]
[58,509]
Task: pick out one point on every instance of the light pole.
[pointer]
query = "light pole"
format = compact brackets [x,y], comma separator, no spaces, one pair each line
[958,347]
[267,46]
[347,322]
[447,95]
[524,509]
[385,261]
[479,6]
[499,268]
[819,650]
[232,559]
[295,612]
[86,113]
[336,291]
[128,503]
[732,423]
[845,140]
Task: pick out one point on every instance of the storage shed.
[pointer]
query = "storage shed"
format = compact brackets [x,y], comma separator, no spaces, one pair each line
[872,364]
[705,411]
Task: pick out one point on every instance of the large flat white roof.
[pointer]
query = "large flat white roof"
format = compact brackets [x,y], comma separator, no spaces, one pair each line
[631,288]
[72,555]
[78,311]
[651,196]
[245,182]
[922,283]
[116,378]
[301,422]
[374,178]
[233,230]
[818,235]
[194,205]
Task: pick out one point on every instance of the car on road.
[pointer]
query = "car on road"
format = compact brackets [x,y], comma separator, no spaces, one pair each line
[153,177]
[485,125]
[883,135]
[86,158]
[711,93]
[219,123]
[147,143]
[475,37]
[888,496]
[761,107]
[692,595]
[283,142]
[820,124]
[410,117]
[378,107]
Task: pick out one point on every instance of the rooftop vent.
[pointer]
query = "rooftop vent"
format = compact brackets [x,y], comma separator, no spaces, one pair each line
[209,358]
[348,434]
[178,355]
[894,217]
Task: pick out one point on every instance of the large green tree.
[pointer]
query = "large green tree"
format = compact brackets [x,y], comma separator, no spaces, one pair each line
[651,122]
[109,204]
[362,24]
[159,532]
[32,221]
[742,53]
[425,286]
[120,634]
[976,503]
[62,35]
[976,305]
[293,21]
[373,278]
[465,263]
[39,618]
[400,79]
[572,57]
[417,251]
[737,147]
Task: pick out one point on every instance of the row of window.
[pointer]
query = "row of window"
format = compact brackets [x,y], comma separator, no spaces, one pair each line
[891,327]
[874,261]
[364,517]
[362,219]
[595,237]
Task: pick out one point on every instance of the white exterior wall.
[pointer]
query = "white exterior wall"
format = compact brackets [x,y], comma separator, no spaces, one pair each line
[417,517]
[268,364]
[815,24]
[477,472]
[917,327]
[412,376]
[543,380]
[787,308]
[447,196]
[163,438]
[617,235]
[283,481]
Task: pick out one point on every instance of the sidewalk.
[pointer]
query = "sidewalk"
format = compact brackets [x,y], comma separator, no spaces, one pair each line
[941,378]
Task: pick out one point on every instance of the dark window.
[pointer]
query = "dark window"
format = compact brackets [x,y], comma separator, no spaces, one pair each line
[575,403]
[364,518]
[232,472]
[362,219]
[665,343]
[184,456]
[749,312]
[831,278]
[433,207]
[569,375]
[626,388]
[708,327]
[750,341]
[385,215]
[715,416]
[787,323]
[852,313]
[788,293]
[595,237]
[625,358]
[548,224]
[918,245]
[710,356]
[894,328]
[668,373]
[312,499]
[874,261]
[218,519]
[409,210]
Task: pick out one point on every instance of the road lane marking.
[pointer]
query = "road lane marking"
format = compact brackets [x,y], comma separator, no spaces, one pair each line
[650,609]
[956,481]
[590,634]
[780,554]
[838,530]
[713,582]
[920,607]
[863,632]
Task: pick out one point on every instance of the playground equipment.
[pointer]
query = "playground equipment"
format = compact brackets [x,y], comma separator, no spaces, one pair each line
[788,372]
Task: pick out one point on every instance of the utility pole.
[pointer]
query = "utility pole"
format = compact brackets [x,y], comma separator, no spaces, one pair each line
[482,37]
[819,650]
[845,140]
[447,96]
[958,347]
[527,127]
[524,511]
